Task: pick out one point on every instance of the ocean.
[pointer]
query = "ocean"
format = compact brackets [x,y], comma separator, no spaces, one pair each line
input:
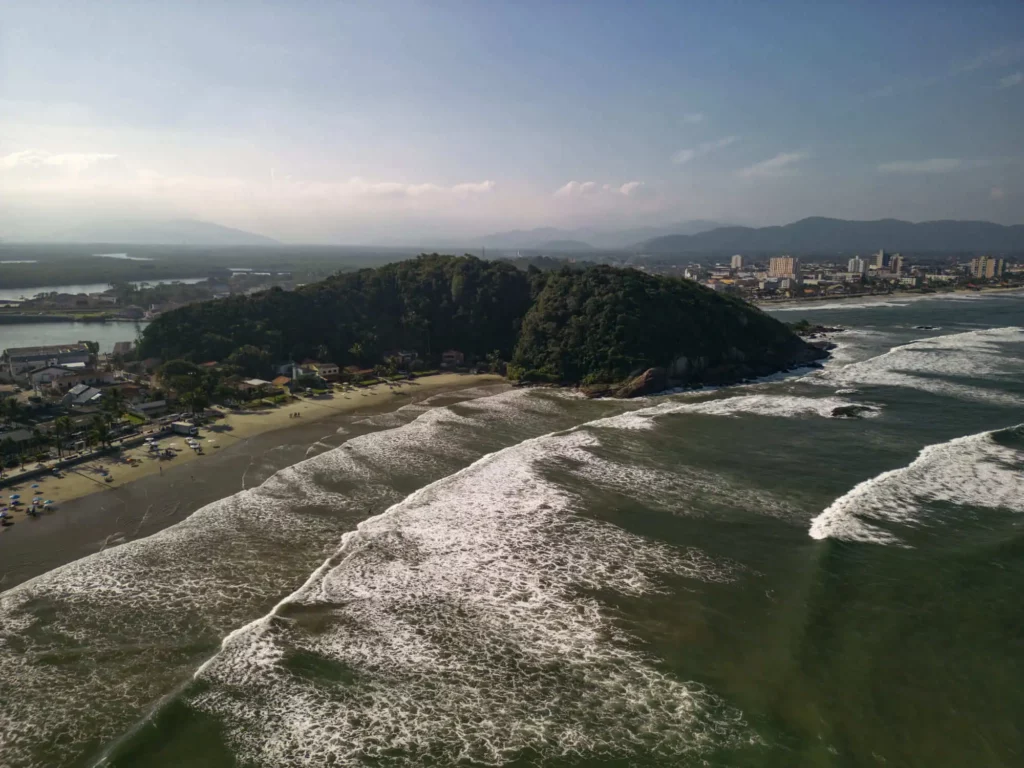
[737,577]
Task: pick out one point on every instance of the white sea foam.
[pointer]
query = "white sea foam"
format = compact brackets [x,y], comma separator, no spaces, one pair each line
[782,406]
[462,623]
[814,306]
[974,471]
[167,596]
[934,364]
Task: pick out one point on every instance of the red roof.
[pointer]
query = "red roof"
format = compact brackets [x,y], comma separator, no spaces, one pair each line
[280,381]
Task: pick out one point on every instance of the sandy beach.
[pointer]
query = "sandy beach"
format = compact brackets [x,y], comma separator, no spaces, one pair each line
[145,493]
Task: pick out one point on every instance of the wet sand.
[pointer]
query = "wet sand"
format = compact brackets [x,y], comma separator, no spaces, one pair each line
[248,448]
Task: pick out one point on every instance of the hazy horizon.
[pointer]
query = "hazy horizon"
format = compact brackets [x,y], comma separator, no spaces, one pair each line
[401,122]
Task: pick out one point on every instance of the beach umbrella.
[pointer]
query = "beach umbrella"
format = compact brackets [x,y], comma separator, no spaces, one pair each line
[35,485]
[15,495]
[48,503]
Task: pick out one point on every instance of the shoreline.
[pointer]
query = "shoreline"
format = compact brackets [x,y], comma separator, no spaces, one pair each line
[247,448]
[872,297]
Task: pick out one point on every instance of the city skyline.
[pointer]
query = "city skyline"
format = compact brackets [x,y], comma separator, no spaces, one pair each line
[401,121]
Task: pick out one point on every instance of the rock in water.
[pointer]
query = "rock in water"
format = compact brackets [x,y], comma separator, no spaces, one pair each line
[850,411]
[650,382]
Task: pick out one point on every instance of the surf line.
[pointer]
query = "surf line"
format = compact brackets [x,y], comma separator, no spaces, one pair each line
[844,519]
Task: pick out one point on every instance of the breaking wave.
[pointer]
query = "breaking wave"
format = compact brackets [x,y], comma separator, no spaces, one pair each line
[973,471]
[940,364]
[465,625]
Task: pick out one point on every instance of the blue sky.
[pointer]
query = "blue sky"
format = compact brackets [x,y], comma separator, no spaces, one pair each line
[391,121]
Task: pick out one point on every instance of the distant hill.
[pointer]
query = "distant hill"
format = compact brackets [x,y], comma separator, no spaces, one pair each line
[565,245]
[822,235]
[594,239]
[159,232]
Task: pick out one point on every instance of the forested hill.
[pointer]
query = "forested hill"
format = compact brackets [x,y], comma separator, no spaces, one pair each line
[428,304]
[604,324]
[593,325]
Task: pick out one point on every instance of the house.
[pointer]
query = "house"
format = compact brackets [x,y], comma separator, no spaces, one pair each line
[20,360]
[123,348]
[282,382]
[75,376]
[403,357]
[43,377]
[251,385]
[80,395]
[149,410]
[326,371]
[452,358]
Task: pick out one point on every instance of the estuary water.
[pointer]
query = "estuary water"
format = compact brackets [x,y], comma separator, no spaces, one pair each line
[742,577]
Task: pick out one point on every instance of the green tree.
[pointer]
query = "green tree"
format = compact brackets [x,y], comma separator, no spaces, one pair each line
[62,429]
[99,431]
[196,401]
[252,360]
[12,410]
[494,362]
[113,404]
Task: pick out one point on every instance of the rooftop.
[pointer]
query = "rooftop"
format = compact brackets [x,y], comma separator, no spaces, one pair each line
[55,349]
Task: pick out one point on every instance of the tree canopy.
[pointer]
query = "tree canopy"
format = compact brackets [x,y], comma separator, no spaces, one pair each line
[597,324]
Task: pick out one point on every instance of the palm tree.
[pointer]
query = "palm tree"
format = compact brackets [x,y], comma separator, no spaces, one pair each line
[113,404]
[61,428]
[100,431]
[12,410]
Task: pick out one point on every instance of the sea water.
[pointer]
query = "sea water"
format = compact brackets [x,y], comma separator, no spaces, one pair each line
[743,577]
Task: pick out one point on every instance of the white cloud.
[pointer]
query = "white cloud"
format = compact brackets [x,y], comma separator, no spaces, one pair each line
[593,189]
[684,156]
[474,188]
[997,193]
[1000,56]
[1011,80]
[577,189]
[933,165]
[72,162]
[722,143]
[780,165]
[693,118]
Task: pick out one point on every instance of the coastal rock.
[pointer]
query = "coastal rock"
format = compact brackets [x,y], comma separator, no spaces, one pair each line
[649,382]
[851,411]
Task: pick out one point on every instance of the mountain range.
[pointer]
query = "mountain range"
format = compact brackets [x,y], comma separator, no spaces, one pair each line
[823,235]
[153,232]
[588,238]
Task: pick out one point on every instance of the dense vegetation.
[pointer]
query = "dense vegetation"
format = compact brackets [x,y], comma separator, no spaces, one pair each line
[428,304]
[572,326]
[605,324]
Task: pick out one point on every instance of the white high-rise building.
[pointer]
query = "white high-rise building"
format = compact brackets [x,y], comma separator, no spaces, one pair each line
[737,262]
[783,266]
[857,265]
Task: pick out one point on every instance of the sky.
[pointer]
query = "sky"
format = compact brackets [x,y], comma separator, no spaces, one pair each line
[395,122]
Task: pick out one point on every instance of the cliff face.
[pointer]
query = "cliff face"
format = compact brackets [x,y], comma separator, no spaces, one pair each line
[602,326]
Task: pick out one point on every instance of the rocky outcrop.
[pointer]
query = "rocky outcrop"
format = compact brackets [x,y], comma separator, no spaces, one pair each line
[650,382]
[851,411]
